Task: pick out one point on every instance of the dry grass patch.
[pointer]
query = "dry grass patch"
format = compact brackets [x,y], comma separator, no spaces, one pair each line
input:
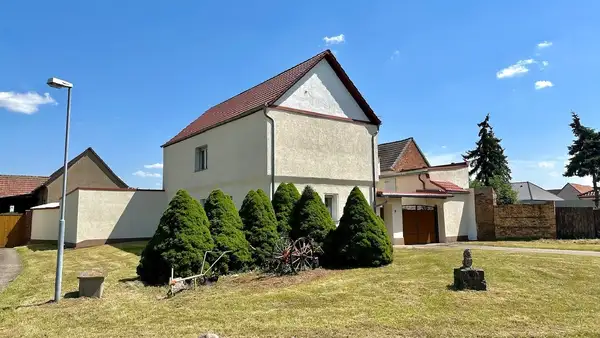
[559,244]
[530,295]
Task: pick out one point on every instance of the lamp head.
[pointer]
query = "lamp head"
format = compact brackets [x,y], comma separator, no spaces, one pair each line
[58,83]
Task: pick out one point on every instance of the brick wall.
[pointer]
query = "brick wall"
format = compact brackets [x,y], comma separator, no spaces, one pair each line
[512,221]
[410,159]
[485,200]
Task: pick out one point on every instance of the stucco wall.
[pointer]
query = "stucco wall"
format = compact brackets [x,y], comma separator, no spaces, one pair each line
[459,217]
[321,91]
[83,174]
[458,176]
[71,217]
[309,146]
[118,214]
[44,224]
[236,160]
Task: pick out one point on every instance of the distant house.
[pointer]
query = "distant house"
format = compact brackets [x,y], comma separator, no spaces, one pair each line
[420,203]
[576,195]
[86,170]
[529,193]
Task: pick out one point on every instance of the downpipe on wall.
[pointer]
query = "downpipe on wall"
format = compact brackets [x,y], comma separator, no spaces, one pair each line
[266,107]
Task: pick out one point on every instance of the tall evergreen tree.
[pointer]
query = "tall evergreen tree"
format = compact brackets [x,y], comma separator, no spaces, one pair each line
[179,242]
[311,217]
[284,200]
[260,229]
[227,231]
[585,155]
[488,159]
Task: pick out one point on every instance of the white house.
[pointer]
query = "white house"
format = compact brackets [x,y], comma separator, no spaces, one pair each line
[421,203]
[309,125]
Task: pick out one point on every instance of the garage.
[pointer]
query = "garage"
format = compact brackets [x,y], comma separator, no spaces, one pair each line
[419,224]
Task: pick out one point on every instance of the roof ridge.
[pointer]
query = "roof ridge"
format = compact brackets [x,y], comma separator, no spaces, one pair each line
[398,141]
[320,55]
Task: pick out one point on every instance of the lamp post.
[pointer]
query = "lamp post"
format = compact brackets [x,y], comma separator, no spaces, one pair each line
[58,83]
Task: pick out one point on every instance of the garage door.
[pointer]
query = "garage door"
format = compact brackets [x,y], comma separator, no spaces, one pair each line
[419,224]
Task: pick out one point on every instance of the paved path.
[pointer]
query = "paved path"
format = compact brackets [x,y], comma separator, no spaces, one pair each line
[503,248]
[10,266]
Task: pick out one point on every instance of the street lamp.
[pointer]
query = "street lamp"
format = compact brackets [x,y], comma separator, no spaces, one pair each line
[58,83]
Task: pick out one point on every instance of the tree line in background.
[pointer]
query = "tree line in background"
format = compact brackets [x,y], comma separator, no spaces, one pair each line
[187,230]
[489,164]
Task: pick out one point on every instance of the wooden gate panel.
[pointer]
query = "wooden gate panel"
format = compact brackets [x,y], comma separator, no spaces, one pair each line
[419,226]
[14,230]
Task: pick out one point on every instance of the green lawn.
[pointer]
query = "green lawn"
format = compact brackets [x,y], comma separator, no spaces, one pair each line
[560,244]
[530,295]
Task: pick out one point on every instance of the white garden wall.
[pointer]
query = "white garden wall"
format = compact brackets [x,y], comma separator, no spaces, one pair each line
[44,222]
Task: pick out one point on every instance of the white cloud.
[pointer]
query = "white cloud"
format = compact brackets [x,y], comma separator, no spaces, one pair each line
[154,166]
[334,40]
[543,84]
[26,103]
[545,63]
[145,174]
[546,164]
[544,44]
[395,54]
[518,68]
[444,147]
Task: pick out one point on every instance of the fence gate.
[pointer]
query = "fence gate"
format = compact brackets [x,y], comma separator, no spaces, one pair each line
[574,223]
[14,229]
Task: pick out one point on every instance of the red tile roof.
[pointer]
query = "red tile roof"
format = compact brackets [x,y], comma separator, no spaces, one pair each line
[448,186]
[582,189]
[266,93]
[587,194]
[433,194]
[14,185]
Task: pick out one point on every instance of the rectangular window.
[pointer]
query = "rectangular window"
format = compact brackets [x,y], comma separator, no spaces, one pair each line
[201,163]
[331,204]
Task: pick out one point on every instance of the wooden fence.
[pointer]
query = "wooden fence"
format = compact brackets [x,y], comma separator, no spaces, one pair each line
[574,223]
[15,229]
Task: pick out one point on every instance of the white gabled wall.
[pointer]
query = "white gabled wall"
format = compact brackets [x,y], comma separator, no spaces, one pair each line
[321,91]
[236,158]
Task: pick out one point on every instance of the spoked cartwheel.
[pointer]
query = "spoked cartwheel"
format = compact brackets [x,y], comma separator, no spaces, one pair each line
[302,255]
[282,255]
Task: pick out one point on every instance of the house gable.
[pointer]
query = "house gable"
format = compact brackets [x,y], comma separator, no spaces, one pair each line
[321,91]
[410,158]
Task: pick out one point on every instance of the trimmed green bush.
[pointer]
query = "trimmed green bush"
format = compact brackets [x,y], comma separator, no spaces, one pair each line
[226,229]
[311,217]
[267,205]
[260,229]
[284,200]
[179,242]
[361,239]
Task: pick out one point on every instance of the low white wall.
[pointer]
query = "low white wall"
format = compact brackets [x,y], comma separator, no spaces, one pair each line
[118,214]
[44,224]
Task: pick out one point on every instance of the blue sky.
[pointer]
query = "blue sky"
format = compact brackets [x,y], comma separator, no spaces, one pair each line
[143,70]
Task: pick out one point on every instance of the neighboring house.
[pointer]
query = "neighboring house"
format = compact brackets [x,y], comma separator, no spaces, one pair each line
[420,203]
[308,125]
[574,195]
[85,170]
[529,193]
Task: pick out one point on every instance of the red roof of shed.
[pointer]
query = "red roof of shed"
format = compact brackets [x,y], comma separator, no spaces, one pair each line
[15,185]
[448,186]
[266,93]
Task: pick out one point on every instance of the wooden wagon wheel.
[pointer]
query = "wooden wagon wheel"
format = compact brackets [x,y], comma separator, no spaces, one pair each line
[282,255]
[302,257]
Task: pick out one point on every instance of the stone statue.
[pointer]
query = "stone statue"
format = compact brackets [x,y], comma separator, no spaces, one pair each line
[467,259]
[468,277]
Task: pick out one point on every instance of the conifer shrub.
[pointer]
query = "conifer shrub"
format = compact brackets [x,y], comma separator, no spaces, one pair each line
[227,232]
[179,242]
[311,218]
[284,200]
[361,239]
[260,228]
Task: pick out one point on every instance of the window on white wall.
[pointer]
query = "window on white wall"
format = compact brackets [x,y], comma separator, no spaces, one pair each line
[201,158]
[331,204]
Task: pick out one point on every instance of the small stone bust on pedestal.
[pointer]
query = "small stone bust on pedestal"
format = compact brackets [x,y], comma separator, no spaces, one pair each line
[467,277]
